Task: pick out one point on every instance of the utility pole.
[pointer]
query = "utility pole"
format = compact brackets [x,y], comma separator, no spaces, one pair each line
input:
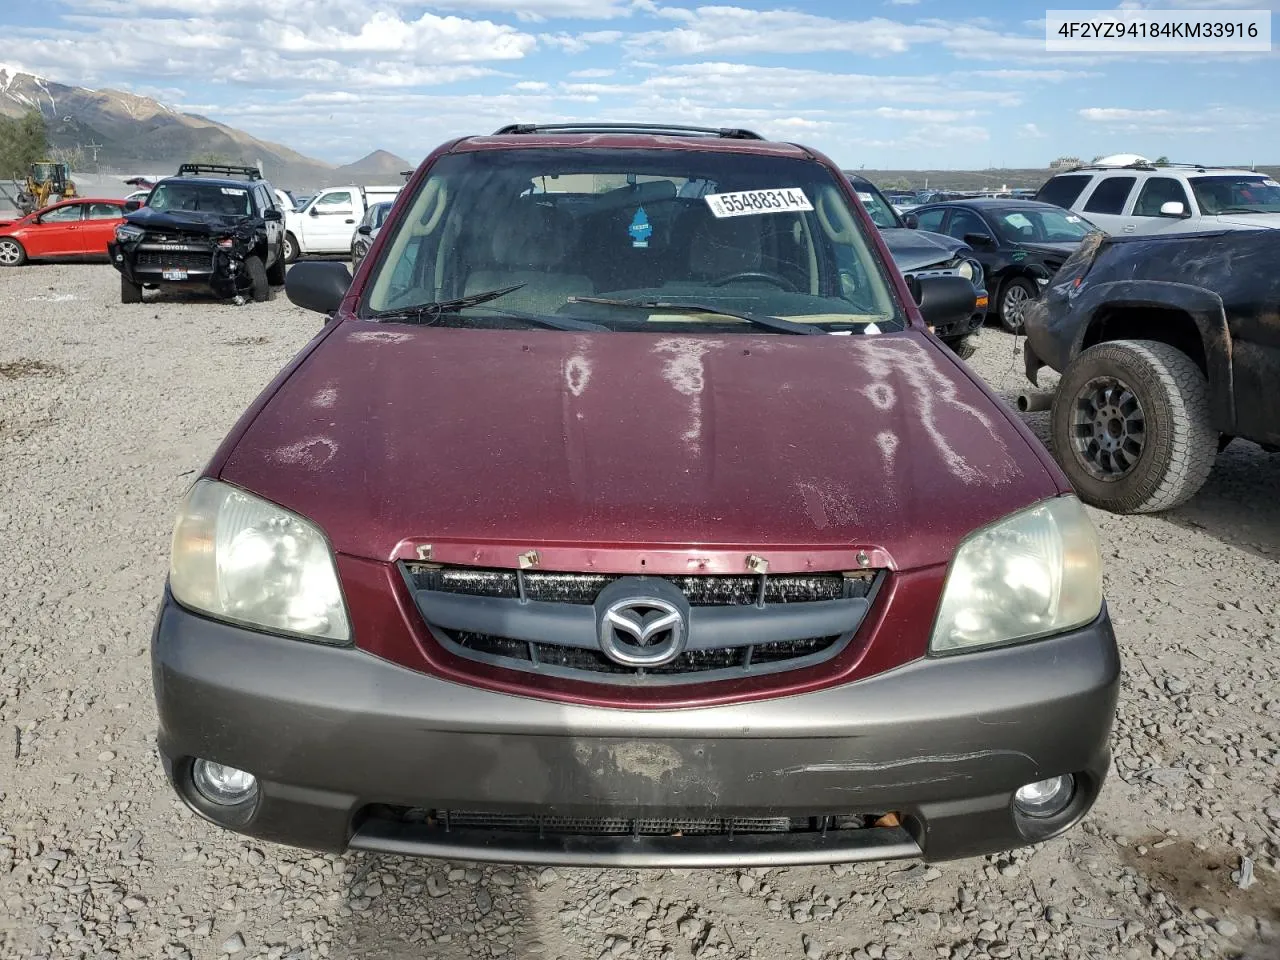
[95,147]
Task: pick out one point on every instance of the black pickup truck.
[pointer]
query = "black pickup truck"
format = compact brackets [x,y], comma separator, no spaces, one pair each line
[1169,348]
[212,226]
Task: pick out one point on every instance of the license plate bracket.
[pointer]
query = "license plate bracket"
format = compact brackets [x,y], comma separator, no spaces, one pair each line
[173,274]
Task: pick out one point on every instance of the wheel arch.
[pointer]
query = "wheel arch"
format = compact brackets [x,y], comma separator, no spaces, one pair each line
[1190,319]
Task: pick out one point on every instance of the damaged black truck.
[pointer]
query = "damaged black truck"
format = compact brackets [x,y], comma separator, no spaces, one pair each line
[212,227]
[1169,348]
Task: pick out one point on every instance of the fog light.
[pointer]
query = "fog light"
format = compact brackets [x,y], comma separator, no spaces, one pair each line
[1044,798]
[221,784]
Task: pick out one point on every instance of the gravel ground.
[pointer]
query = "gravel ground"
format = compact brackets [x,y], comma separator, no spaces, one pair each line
[105,413]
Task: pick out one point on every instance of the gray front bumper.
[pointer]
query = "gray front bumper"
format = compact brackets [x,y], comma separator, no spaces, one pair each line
[330,731]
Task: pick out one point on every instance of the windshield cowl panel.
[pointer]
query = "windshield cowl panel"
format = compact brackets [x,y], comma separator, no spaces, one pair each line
[764,235]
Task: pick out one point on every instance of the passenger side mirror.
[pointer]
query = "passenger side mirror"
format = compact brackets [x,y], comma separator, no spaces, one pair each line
[364,230]
[272,215]
[1173,208]
[943,300]
[980,241]
[314,211]
[132,205]
[319,285]
[912,221]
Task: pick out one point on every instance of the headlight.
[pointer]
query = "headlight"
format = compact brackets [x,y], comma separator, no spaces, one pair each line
[240,558]
[971,270]
[128,231]
[1033,574]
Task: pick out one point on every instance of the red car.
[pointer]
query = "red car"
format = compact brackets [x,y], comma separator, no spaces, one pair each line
[626,511]
[71,230]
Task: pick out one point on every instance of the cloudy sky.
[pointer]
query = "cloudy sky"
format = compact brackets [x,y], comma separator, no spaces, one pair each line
[880,83]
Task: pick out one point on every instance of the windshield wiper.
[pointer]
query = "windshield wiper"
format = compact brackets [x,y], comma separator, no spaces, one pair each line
[1241,210]
[758,319]
[431,312]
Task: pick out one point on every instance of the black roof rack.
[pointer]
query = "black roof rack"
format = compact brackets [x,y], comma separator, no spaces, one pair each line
[196,169]
[676,130]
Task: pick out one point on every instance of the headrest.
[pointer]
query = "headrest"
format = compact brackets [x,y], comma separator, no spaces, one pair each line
[531,237]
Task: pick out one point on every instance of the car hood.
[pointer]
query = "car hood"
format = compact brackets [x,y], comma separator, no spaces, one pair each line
[1252,221]
[916,249]
[186,221]
[1057,251]
[389,433]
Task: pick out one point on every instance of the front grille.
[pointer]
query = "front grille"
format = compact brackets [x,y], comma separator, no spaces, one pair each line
[512,637]
[593,661]
[674,826]
[175,260]
[583,588]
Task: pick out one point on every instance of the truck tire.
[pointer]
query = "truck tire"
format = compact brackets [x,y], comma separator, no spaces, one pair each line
[963,347]
[259,286]
[291,251]
[130,292]
[1131,426]
[275,272]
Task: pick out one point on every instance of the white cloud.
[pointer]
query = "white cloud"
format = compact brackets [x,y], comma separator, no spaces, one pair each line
[1032,130]
[1113,114]
[540,10]
[595,73]
[715,82]
[577,43]
[1033,76]
[532,86]
[736,30]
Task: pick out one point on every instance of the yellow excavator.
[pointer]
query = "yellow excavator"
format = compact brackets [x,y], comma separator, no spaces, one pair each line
[47,182]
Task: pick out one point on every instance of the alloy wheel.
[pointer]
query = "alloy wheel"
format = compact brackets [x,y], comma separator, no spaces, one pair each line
[10,253]
[1016,299]
[1108,428]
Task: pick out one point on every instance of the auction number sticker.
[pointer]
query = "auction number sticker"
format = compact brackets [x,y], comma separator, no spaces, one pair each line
[744,203]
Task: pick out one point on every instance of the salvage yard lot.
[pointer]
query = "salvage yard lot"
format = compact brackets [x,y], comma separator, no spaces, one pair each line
[106,412]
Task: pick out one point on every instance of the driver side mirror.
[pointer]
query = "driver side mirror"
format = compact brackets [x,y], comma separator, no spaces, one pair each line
[319,285]
[944,300]
[912,221]
[364,230]
[272,215]
[1174,208]
[132,205]
[980,241]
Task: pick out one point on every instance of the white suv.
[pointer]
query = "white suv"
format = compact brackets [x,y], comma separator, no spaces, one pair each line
[1142,198]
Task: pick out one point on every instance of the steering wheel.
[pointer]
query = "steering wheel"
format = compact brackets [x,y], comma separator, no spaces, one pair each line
[773,278]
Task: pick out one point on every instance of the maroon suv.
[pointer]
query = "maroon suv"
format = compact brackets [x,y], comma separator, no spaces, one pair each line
[626,511]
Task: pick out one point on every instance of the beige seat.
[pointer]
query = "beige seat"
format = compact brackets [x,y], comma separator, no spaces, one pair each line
[530,248]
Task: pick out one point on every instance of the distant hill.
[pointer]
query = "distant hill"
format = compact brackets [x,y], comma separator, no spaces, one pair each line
[965,180]
[379,165]
[132,133]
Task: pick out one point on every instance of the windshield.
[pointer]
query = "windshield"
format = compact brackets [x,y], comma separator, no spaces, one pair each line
[1032,225]
[744,233]
[206,197]
[878,208]
[1236,194]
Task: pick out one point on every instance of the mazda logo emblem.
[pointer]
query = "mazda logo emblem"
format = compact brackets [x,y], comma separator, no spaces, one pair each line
[641,628]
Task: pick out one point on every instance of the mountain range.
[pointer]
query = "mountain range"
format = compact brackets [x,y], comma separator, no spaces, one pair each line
[129,133]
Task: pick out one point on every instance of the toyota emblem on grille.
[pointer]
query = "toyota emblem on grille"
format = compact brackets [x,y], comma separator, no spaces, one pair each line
[639,627]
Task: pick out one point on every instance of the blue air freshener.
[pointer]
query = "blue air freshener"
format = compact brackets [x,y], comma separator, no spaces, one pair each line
[640,229]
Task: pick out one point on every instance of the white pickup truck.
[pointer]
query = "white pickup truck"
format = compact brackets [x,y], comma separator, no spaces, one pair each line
[328,222]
